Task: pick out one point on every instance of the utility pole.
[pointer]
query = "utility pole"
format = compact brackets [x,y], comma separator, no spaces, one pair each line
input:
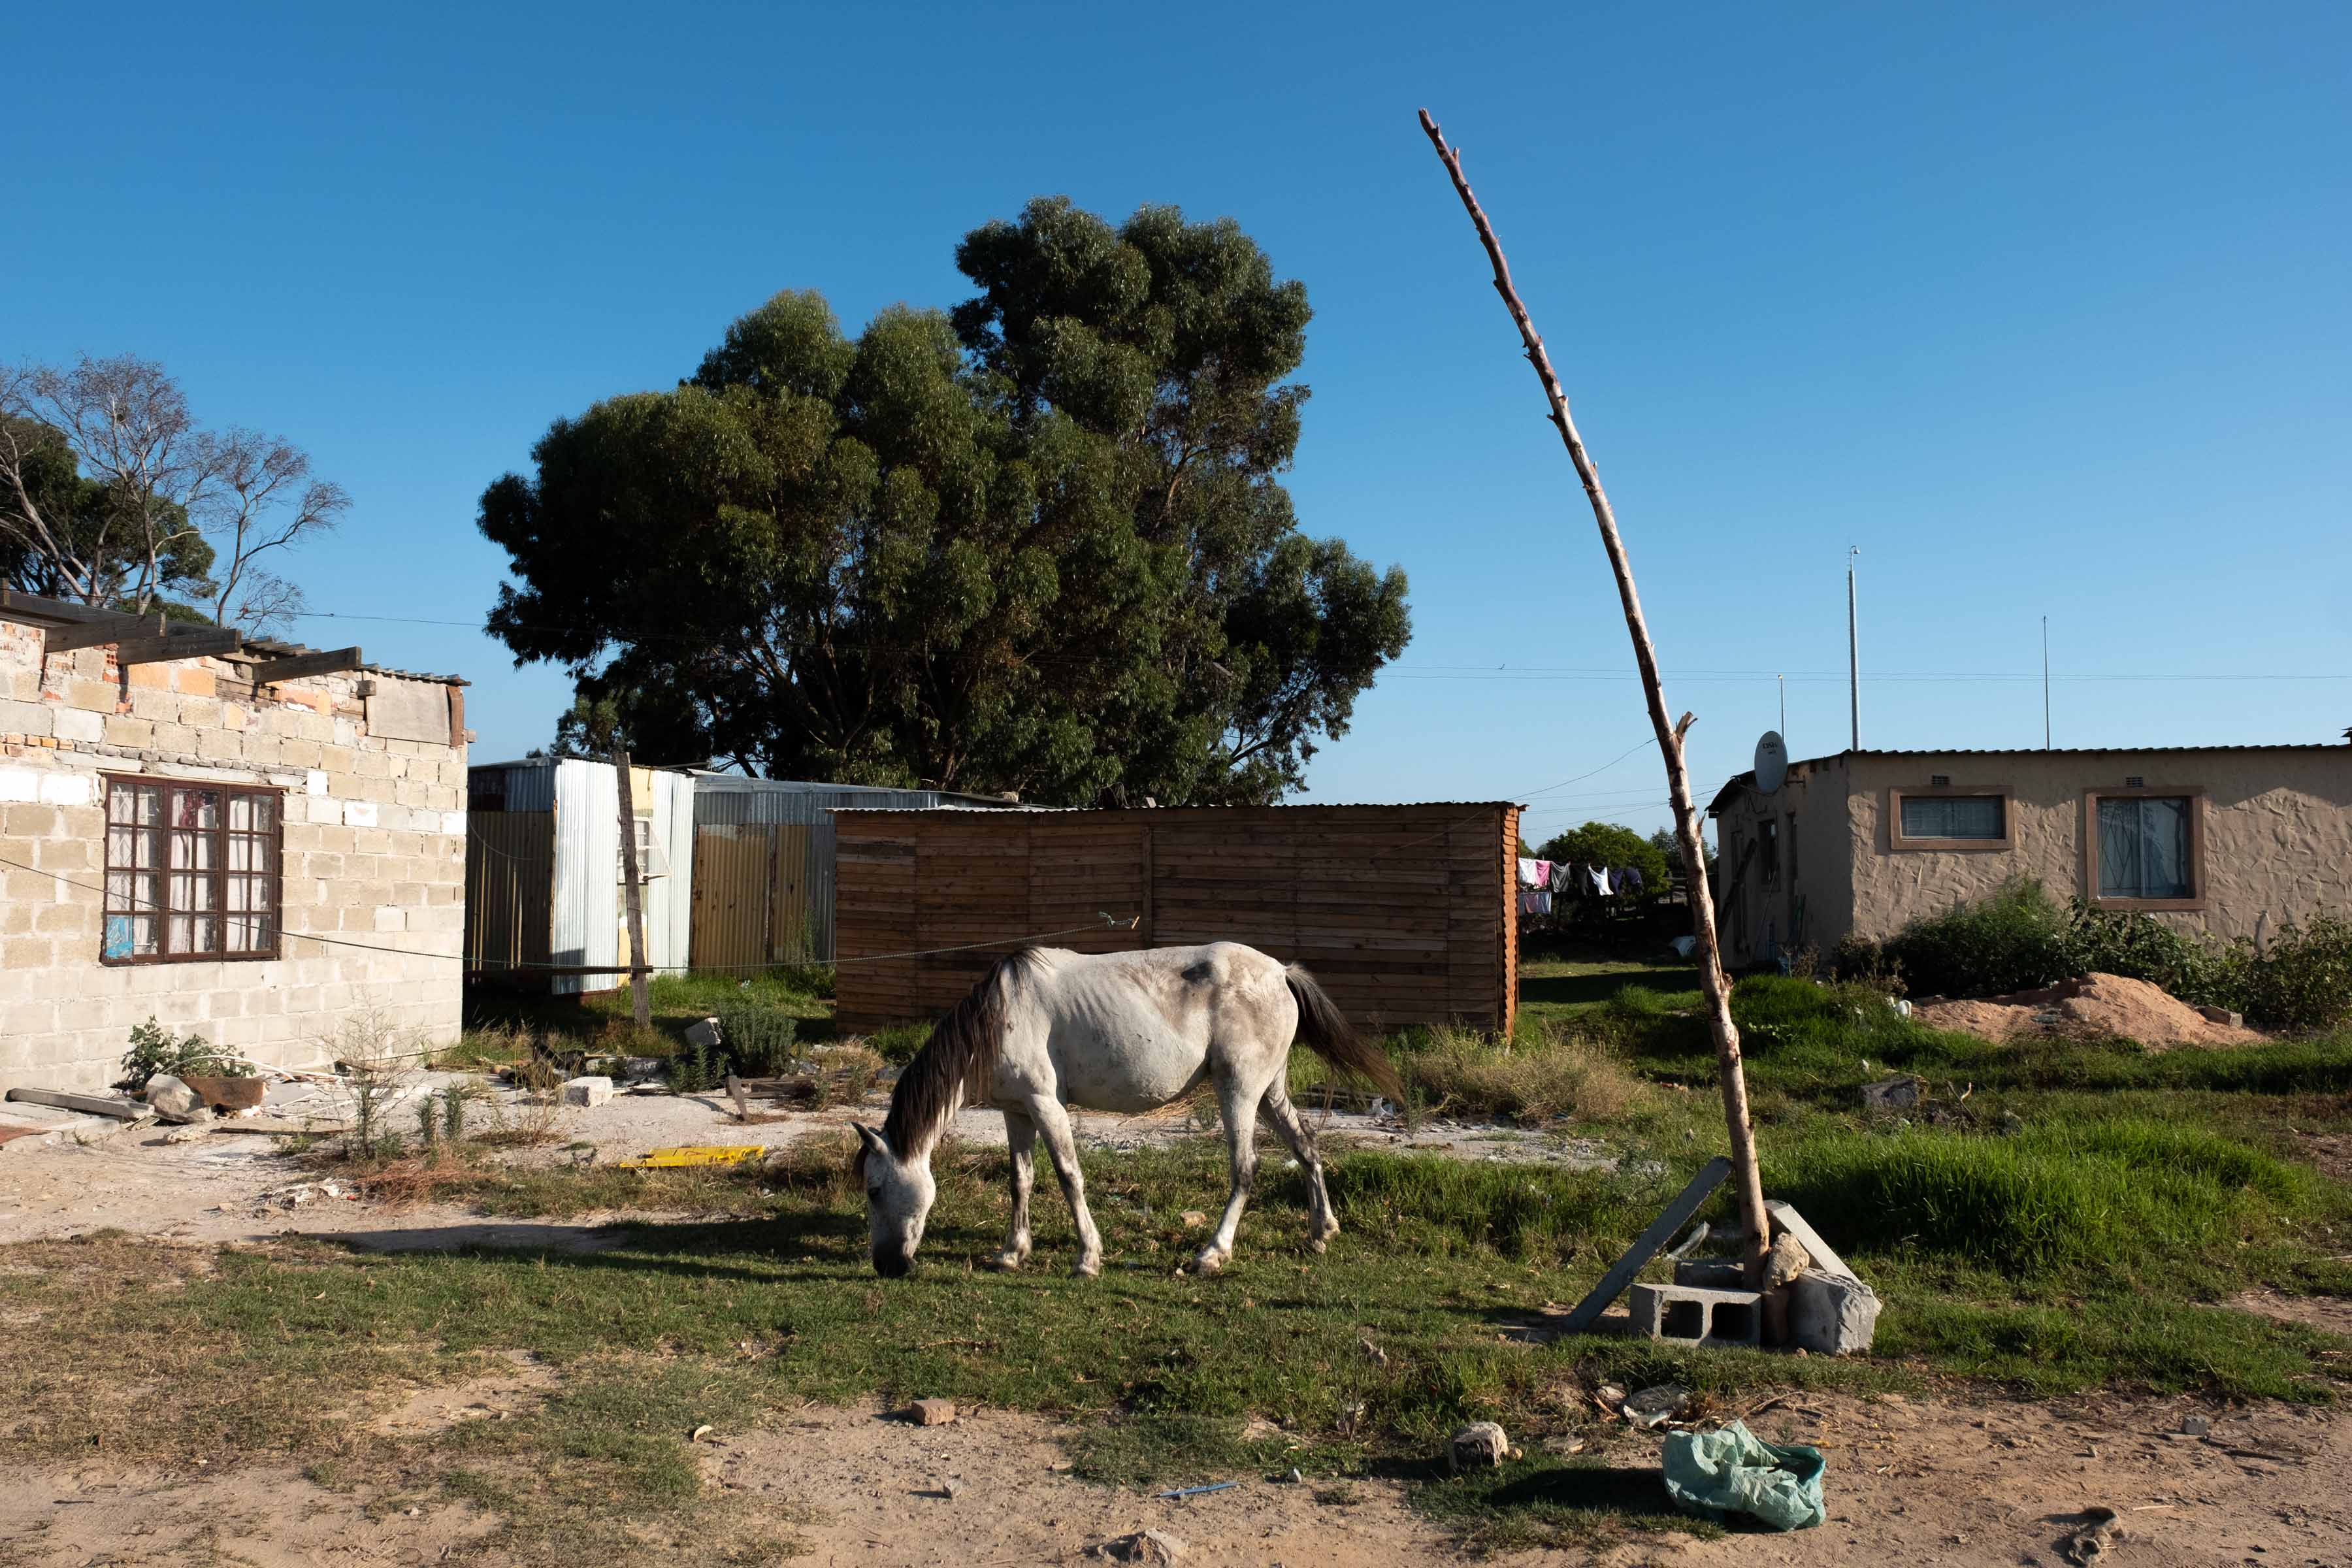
[1852,650]
[2045,683]
[1784,705]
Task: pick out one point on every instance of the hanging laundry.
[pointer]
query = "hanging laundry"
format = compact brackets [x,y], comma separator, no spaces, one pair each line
[1629,881]
[1527,873]
[1529,904]
[1543,873]
[1563,876]
[1600,879]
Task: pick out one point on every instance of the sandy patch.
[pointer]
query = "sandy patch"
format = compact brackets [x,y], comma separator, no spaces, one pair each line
[2094,1006]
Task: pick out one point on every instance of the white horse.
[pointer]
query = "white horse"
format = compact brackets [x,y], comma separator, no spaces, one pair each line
[1047,1029]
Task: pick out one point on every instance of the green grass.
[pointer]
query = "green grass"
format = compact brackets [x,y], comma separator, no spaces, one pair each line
[2056,1219]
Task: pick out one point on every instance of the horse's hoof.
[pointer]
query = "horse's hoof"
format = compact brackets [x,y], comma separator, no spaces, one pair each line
[1209,1262]
[1088,1267]
[1317,1245]
[1006,1262]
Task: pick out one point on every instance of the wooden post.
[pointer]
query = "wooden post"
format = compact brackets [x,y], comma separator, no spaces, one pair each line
[633,892]
[1748,1184]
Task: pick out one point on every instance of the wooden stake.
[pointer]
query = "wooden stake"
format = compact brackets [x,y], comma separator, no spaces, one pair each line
[1746,1183]
[632,893]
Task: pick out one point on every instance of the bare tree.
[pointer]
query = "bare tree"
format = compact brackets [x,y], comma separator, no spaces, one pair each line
[263,498]
[112,494]
[127,425]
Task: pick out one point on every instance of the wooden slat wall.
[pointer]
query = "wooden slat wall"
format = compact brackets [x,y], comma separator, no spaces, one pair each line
[510,880]
[1407,914]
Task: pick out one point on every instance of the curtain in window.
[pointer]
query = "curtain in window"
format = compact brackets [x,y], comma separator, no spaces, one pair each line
[1952,816]
[2144,848]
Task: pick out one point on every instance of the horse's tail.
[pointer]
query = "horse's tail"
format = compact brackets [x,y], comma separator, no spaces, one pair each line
[1329,1035]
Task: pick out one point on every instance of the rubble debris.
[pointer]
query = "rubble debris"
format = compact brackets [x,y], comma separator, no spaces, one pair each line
[931,1412]
[1149,1546]
[1196,1491]
[121,1109]
[174,1101]
[1688,1314]
[242,1092]
[587,1091]
[2097,1539]
[1645,1245]
[1480,1445]
[1656,1407]
[1895,1094]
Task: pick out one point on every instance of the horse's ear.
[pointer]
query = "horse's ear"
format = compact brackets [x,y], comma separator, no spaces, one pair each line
[874,1142]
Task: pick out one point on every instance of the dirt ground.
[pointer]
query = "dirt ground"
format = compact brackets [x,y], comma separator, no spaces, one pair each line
[2094,1006]
[227,1180]
[1925,1481]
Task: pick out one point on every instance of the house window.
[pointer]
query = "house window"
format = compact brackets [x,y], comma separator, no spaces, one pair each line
[2147,847]
[1946,817]
[1953,817]
[192,872]
[1768,841]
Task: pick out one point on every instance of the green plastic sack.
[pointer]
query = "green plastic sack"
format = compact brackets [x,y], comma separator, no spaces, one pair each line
[1719,1474]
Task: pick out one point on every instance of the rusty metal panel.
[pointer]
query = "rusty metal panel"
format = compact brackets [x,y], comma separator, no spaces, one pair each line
[509,875]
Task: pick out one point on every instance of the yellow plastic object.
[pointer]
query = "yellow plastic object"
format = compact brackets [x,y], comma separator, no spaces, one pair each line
[704,1154]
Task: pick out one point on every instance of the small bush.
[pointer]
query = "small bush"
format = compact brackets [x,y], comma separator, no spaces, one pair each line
[154,1049]
[758,1038]
[2301,981]
[2013,941]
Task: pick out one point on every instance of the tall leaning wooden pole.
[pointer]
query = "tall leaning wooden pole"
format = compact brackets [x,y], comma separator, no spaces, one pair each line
[1747,1182]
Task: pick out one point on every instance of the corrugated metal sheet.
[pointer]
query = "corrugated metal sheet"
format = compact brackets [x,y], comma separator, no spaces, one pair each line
[512,786]
[669,898]
[584,923]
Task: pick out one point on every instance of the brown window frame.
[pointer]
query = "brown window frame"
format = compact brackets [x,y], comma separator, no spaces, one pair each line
[2195,795]
[219,870]
[1898,843]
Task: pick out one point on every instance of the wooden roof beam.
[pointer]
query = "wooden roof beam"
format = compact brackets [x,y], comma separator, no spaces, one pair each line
[335,661]
[179,645]
[98,634]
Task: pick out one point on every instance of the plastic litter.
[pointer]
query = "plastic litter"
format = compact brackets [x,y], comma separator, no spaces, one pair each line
[1656,1406]
[1719,1474]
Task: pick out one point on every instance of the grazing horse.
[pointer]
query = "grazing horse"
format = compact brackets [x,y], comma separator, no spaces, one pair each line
[1047,1029]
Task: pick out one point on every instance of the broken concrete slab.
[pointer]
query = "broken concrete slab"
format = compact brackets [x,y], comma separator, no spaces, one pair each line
[1712,1273]
[1690,1315]
[174,1101]
[587,1091]
[1832,1313]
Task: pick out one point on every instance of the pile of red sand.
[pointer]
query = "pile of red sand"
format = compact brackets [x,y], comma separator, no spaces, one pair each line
[2094,1007]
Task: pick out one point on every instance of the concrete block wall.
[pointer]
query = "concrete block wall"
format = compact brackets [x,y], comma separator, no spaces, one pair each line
[374,854]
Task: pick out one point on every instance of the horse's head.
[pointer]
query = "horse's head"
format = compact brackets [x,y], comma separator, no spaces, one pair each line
[898,1195]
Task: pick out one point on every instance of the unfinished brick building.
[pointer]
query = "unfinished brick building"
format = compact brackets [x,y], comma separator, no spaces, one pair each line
[258,844]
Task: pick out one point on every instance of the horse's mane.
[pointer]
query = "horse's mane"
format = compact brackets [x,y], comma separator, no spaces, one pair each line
[956,1062]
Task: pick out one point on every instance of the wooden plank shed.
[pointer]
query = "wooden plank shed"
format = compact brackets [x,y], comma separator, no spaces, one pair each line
[1408,914]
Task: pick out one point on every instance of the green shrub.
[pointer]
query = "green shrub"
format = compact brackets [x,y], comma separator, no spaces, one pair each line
[2301,981]
[154,1049]
[758,1038]
[2013,941]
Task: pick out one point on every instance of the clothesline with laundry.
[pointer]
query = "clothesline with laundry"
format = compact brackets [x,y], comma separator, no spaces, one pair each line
[1541,880]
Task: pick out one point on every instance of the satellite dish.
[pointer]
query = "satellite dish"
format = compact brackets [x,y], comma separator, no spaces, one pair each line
[1772,763]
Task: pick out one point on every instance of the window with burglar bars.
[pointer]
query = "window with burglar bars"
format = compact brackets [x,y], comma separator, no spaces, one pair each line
[192,872]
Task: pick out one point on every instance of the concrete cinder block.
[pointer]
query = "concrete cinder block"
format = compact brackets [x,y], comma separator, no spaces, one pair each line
[80,724]
[1832,1313]
[588,1091]
[1712,1273]
[1690,1315]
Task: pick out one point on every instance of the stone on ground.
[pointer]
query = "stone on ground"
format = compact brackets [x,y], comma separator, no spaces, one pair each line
[1154,1546]
[1482,1445]
[931,1412]
[173,1100]
[587,1091]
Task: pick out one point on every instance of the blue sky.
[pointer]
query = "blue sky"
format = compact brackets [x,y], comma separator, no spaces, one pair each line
[2044,311]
